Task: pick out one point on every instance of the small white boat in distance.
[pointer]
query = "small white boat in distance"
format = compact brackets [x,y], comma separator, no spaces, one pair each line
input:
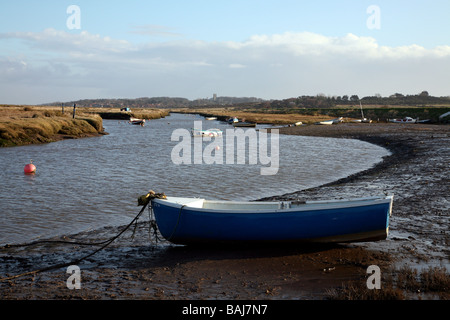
[206,133]
[332,121]
[137,121]
[363,119]
[328,122]
[404,120]
[211,118]
[232,120]
[442,116]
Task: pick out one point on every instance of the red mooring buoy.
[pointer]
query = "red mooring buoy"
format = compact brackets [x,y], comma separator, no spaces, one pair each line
[30,168]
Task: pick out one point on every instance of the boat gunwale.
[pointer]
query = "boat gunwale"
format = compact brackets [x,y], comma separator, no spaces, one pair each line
[301,207]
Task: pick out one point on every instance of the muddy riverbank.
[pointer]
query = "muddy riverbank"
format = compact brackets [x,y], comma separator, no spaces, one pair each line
[132,268]
[416,173]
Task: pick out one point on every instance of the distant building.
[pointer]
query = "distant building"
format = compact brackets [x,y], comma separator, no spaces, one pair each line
[215,97]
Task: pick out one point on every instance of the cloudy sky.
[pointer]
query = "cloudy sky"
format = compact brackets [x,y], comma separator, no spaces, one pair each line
[68,50]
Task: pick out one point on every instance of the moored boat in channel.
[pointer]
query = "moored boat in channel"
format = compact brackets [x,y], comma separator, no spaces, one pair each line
[194,220]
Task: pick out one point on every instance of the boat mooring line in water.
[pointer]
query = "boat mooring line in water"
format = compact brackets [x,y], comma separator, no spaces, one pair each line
[178,221]
[143,200]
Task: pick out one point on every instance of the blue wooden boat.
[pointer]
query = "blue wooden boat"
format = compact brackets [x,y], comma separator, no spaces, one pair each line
[192,220]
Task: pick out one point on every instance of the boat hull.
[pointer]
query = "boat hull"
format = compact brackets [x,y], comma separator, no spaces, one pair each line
[322,222]
[244,125]
[136,121]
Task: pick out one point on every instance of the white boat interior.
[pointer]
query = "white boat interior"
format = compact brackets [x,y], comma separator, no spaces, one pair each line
[260,206]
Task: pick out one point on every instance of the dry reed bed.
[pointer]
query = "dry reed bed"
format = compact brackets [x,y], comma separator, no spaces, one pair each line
[404,283]
[22,125]
[257,117]
[29,125]
[115,113]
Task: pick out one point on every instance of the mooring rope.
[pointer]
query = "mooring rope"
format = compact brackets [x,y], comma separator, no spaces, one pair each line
[176,225]
[142,200]
[8,246]
[152,226]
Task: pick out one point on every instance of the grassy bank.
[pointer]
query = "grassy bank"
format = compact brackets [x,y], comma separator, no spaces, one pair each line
[115,113]
[399,284]
[311,115]
[21,125]
[253,116]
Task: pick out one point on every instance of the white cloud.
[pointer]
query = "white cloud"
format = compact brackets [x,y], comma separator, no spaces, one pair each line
[236,66]
[51,40]
[270,66]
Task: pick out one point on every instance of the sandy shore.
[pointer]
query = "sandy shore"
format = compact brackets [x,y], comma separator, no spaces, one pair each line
[131,268]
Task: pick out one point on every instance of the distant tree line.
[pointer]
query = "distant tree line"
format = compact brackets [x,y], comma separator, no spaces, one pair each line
[317,101]
[159,102]
[322,101]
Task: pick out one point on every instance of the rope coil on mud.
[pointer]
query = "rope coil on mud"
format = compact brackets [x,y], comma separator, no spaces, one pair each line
[142,201]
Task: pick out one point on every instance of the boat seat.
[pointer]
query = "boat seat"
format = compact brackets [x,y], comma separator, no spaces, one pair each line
[220,205]
[198,203]
[284,205]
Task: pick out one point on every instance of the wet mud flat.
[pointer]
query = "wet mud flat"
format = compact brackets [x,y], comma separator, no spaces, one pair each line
[136,267]
[133,268]
[416,173]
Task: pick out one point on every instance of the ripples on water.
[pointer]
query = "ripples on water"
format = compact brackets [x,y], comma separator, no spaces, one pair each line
[89,183]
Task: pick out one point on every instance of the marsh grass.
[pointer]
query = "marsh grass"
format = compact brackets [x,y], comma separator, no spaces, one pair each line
[115,113]
[400,284]
[288,115]
[150,114]
[26,125]
[21,125]
[258,117]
